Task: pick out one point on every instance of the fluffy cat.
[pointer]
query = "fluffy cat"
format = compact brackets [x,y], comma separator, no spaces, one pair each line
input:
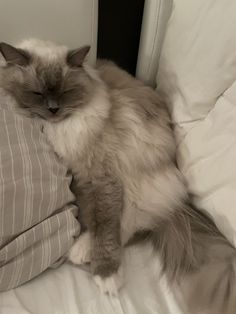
[115,136]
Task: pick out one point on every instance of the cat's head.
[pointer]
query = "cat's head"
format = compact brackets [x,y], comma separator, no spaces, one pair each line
[46,80]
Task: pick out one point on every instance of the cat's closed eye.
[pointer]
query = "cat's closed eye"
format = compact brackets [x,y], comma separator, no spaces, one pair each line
[37,93]
[67,91]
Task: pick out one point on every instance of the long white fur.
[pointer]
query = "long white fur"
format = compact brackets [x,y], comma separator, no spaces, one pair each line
[80,253]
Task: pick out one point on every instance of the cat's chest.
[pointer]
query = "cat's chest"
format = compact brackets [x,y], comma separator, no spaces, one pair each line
[67,139]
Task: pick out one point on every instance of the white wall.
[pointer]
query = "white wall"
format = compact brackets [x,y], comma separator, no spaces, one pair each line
[70,22]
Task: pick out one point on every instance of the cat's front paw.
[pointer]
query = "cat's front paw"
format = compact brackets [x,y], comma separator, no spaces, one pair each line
[80,253]
[110,285]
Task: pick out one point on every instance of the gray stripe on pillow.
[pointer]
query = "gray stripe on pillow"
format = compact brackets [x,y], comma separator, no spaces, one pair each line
[10,170]
[1,201]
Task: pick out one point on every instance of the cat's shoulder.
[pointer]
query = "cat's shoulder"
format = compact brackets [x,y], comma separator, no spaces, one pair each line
[114,76]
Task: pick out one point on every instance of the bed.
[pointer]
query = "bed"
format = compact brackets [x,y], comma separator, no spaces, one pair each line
[196,75]
[71,290]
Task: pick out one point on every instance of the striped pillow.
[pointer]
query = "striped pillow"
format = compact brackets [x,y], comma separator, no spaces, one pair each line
[37,215]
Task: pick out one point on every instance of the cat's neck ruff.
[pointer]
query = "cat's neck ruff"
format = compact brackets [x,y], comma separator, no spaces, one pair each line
[70,137]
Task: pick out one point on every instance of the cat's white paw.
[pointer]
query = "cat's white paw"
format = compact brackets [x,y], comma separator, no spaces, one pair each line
[110,285]
[80,253]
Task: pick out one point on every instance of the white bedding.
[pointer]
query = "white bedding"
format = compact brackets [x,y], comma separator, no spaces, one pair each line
[197,74]
[71,290]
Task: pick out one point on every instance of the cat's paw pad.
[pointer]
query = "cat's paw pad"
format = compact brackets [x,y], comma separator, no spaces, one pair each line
[110,285]
[80,253]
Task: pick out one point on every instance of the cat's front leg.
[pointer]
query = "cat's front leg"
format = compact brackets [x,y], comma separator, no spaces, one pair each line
[80,253]
[101,201]
[106,258]
[106,243]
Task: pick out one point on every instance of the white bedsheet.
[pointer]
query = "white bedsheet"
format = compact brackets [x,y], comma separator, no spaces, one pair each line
[71,290]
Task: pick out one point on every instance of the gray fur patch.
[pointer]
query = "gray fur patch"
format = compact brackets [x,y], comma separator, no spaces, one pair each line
[101,204]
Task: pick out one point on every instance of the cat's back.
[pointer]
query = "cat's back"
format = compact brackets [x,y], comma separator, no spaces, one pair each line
[115,77]
[127,91]
[139,128]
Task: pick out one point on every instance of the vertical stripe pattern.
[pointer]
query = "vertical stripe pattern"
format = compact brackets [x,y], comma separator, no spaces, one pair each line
[37,216]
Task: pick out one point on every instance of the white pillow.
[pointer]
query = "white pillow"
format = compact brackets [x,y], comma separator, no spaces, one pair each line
[197,75]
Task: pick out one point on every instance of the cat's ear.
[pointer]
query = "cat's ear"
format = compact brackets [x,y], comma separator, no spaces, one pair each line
[13,55]
[75,58]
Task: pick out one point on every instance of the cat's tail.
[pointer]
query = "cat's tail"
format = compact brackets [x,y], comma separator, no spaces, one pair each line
[198,259]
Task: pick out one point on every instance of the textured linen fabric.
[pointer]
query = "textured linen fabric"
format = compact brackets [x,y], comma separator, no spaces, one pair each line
[37,215]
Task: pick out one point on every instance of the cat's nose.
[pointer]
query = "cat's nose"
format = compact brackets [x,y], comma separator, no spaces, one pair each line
[53,110]
[52,105]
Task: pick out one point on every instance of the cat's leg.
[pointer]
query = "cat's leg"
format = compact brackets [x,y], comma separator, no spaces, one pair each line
[110,284]
[101,201]
[80,253]
[105,231]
